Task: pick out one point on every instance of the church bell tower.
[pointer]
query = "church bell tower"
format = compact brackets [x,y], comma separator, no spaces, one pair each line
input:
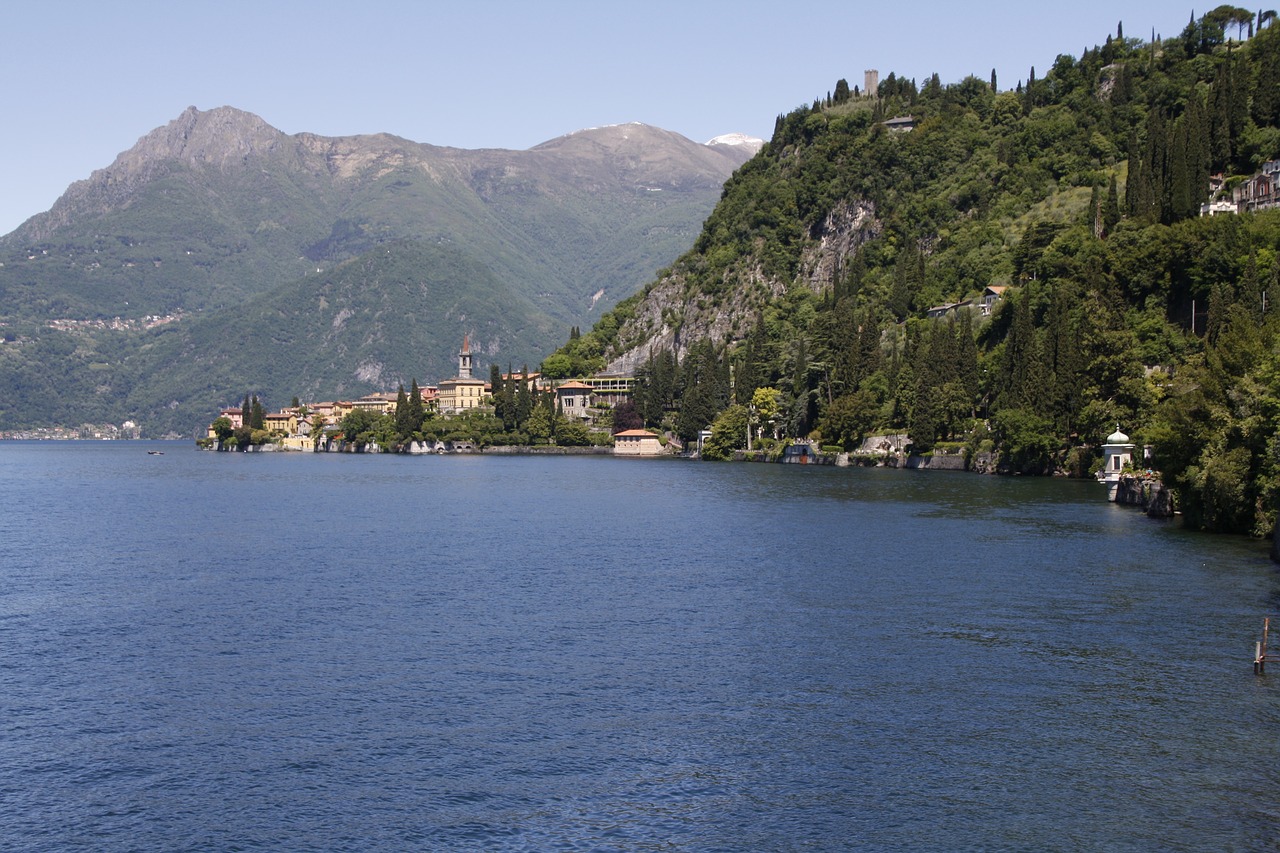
[464,358]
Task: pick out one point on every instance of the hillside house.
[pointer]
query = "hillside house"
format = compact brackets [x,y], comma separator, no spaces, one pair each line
[992,294]
[574,400]
[533,379]
[901,124]
[1261,191]
[1217,207]
[939,311]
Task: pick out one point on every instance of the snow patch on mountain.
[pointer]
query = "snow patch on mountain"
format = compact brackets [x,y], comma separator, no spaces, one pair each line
[752,143]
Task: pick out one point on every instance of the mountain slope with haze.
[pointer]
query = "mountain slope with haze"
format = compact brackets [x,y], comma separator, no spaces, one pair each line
[218,210]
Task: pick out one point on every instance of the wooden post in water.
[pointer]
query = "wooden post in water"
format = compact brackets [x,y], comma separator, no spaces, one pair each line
[1260,650]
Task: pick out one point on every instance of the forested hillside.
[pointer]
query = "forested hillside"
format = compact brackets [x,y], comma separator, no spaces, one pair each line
[831,269]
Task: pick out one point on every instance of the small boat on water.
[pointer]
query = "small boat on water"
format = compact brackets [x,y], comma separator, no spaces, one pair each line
[155,453]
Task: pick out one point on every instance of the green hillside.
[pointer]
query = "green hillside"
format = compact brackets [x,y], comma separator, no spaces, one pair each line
[1078,190]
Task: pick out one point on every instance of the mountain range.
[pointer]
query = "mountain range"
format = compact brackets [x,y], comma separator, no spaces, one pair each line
[220,256]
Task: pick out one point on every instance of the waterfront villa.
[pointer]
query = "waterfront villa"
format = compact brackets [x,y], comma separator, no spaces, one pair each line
[636,442]
[285,423]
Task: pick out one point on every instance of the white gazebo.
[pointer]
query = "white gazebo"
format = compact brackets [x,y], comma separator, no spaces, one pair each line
[1117,454]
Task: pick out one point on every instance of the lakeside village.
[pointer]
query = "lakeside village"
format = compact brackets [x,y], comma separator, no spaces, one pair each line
[591,415]
[460,415]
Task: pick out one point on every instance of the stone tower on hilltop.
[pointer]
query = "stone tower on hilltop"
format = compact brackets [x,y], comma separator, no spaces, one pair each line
[871,82]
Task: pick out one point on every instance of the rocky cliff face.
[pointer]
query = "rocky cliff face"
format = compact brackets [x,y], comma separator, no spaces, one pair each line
[672,316]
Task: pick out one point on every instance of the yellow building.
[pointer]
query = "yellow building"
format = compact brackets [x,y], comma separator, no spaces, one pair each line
[461,392]
[282,422]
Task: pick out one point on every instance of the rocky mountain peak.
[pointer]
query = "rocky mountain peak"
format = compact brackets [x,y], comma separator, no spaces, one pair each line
[223,138]
[211,137]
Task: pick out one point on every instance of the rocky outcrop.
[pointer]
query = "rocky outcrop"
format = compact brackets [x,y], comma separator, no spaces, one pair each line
[840,234]
[673,315]
[1148,493]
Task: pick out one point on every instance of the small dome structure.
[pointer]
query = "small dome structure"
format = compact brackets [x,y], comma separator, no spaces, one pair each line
[1117,454]
[1117,437]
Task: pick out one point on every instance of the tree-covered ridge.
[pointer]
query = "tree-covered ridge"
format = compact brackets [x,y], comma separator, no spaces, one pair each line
[1076,193]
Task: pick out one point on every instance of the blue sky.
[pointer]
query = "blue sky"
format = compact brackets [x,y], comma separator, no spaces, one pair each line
[87,79]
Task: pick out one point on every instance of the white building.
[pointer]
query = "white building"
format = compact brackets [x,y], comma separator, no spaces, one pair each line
[1117,454]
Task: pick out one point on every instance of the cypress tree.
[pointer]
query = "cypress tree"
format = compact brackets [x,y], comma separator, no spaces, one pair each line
[1266,95]
[993,80]
[496,393]
[417,414]
[1111,207]
[1237,100]
[923,424]
[868,361]
[403,430]
[258,419]
[523,398]
[1154,201]
[1220,119]
[1181,197]
[1131,194]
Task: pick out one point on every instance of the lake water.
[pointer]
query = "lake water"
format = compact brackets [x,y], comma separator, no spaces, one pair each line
[206,651]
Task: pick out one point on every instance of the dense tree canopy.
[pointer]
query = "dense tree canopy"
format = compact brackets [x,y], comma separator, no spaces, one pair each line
[1033,271]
